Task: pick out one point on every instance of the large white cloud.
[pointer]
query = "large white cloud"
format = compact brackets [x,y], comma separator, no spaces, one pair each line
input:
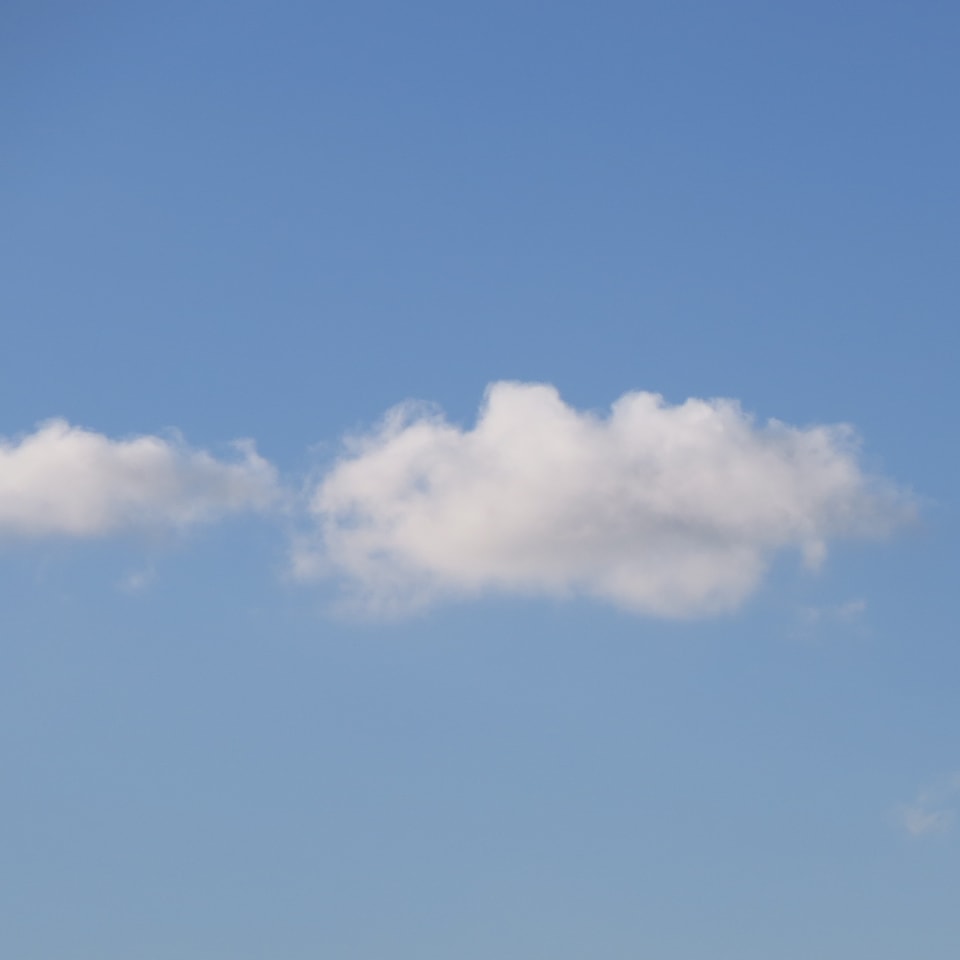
[64,480]
[665,510]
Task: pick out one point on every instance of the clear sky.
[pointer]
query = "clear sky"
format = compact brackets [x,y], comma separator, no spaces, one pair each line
[629,635]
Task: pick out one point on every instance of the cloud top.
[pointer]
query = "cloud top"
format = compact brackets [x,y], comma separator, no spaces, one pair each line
[669,510]
[64,480]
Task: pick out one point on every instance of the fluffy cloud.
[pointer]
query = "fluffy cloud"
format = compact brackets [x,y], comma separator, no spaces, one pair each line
[666,510]
[63,480]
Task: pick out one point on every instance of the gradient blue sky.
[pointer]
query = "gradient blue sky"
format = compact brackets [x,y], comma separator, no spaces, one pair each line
[278,220]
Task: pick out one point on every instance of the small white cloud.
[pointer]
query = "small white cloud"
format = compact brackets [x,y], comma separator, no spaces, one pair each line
[137,581]
[665,510]
[66,481]
[919,820]
[933,810]
[850,612]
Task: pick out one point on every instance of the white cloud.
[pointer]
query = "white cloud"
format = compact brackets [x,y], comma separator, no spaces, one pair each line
[918,820]
[849,612]
[66,481]
[932,811]
[137,580]
[665,510]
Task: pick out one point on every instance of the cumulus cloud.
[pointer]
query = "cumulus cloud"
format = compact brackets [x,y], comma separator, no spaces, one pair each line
[67,481]
[669,510]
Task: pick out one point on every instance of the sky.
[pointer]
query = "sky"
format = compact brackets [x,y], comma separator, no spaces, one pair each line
[479,480]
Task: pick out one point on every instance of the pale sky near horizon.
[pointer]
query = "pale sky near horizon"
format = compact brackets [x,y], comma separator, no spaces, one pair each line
[478,481]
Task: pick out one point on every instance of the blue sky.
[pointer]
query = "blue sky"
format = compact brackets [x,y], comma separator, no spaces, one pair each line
[540,666]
